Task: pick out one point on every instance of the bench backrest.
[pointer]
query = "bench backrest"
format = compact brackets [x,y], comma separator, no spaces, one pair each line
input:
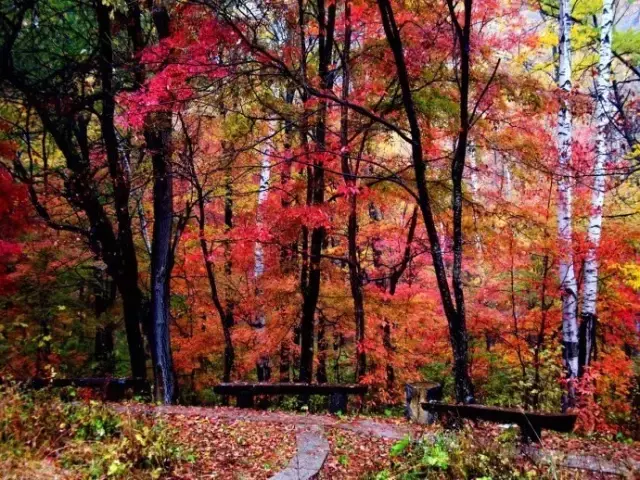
[563,422]
[263,388]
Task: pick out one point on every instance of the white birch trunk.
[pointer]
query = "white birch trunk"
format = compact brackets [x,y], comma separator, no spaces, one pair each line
[263,195]
[603,120]
[258,269]
[568,283]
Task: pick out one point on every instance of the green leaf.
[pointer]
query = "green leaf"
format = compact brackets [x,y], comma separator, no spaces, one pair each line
[399,447]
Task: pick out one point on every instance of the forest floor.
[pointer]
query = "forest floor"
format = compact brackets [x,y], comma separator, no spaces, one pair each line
[244,444]
[233,443]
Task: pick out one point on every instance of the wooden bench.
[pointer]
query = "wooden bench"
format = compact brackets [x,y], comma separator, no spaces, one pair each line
[530,423]
[112,389]
[245,391]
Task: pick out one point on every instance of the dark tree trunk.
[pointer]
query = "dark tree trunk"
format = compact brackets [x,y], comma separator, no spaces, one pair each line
[226,317]
[457,324]
[586,342]
[158,130]
[454,313]
[394,279]
[229,353]
[349,175]
[309,307]
[326,22]
[126,273]
[355,281]
[158,143]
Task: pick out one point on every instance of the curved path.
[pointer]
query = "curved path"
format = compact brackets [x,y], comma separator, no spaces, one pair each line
[370,427]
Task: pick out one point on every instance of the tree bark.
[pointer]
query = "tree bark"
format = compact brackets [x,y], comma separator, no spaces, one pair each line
[158,131]
[455,314]
[568,282]
[229,353]
[124,264]
[350,176]
[604,111]
[226,320]
[263,365]
[326,22]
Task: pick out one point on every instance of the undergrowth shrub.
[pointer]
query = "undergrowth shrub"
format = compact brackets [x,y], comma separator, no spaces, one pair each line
[456,455]
[89,438]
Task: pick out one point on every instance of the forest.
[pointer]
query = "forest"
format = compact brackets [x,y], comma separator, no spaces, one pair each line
[359,194]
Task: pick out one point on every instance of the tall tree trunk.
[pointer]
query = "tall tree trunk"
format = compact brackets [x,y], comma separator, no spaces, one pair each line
[568,282]
[126,273]
[326,22]
[349,176]
[457,325]
[455,313]
[229,353]
[158,131]
[604,111]
[158,143]
[263,365]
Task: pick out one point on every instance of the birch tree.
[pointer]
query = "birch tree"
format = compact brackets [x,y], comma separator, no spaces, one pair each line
[263,367]
[568,283]
[603,155]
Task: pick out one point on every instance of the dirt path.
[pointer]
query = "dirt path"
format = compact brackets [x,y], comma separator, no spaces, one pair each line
[312,447]
[377,428]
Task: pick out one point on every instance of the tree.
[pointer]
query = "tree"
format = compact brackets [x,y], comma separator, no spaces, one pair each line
[455,313]
[65,113]
[604,152]
[568,282]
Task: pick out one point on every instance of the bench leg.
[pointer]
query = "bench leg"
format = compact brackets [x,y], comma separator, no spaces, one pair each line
[530,433]
[244,400]
[338,403]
